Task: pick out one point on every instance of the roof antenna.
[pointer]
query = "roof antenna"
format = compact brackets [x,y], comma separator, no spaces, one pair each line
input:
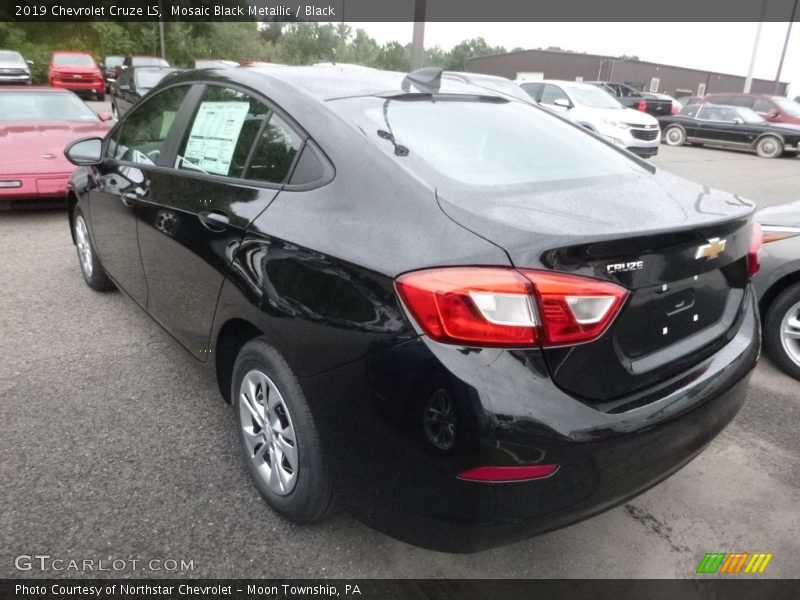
[427,79]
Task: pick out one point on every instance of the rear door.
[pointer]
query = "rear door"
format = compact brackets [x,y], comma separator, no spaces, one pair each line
[229,162]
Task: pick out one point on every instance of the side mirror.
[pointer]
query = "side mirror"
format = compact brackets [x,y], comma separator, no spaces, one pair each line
[85,152]
[562,102]
[105,116]
[30,62]
[738,121]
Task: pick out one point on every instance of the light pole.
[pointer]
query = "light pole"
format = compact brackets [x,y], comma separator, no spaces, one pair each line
[161,29]
[418,37]
[749,81]
[783,53]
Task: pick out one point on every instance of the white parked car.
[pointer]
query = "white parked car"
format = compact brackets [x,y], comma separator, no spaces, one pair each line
[591,107]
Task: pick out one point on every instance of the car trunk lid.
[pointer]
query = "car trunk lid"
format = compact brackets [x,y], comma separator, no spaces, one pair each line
[679,248]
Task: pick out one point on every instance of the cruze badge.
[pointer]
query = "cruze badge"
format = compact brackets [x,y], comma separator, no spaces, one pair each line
[625,267]
[711,250]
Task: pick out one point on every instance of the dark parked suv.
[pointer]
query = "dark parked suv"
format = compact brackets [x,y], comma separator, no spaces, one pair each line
[454,314]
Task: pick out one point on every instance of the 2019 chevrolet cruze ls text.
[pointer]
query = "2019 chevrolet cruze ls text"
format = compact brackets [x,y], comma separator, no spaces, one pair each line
[455,315]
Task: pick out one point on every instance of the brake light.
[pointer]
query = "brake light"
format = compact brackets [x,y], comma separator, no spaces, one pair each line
[753,260]
[506,307]
[642,106]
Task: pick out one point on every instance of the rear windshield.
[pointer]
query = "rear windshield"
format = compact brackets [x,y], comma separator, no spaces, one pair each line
[149,61]
[44,106]
[483,142]
[114,61]
[147,80]
[78,60]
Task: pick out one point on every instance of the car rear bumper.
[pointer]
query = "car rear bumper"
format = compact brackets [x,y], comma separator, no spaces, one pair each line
[33,186]
[508,412]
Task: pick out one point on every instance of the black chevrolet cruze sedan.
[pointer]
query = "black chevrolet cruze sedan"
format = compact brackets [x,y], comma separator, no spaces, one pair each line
[455,315]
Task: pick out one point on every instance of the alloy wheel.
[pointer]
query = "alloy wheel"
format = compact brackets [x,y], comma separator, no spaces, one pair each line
[269,434]
[790,333]
[84,246]
[439,420]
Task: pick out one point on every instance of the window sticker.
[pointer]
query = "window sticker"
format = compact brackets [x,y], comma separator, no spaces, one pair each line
[214,135]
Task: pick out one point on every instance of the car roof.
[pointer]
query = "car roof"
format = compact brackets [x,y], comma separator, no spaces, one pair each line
[467,76]
[710,94]
[330,82]
[562,82]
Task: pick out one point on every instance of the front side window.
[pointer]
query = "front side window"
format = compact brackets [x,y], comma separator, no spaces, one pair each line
[144,131]
[552,93]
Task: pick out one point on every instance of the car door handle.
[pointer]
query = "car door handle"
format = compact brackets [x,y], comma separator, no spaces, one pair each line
[130,198]
[214,220]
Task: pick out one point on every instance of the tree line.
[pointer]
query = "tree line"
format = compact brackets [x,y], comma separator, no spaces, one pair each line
[279,42]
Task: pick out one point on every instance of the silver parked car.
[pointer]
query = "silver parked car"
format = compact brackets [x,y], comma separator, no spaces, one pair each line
[778,284]
[14,69]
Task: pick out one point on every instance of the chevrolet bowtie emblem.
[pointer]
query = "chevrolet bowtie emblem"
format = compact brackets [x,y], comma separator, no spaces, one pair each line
[712,249]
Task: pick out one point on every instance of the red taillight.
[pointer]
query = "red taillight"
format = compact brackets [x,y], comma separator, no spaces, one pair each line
[753,260]
[642,106]
[508,474]
[506,307]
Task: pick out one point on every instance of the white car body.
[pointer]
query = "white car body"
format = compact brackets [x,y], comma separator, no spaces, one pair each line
[591,107]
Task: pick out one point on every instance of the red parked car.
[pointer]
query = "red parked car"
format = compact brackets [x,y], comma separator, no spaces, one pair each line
[36,124]
[77,72]
[775,109]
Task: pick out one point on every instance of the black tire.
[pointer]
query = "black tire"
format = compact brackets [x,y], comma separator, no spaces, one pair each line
[311,499]
[787,301]
[101,97]
[94,275]
[769,146]
[675,135]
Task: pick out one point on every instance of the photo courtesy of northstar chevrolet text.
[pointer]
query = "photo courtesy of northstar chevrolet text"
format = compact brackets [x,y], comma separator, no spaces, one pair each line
[294,292]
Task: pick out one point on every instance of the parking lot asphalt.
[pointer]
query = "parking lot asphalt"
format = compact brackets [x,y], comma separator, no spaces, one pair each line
[117,446]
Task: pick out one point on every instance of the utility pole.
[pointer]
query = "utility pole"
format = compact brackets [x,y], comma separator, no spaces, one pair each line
[785,44]
[161,29]
[749,81]
[418,37]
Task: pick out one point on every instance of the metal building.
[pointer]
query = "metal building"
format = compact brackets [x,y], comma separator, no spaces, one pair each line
[643,75]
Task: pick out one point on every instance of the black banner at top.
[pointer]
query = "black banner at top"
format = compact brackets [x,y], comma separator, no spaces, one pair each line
[398,10]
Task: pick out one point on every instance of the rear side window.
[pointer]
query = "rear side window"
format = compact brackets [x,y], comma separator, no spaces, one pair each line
[221,133]
[763,106]
[144,132]
[274,153]
[235,135]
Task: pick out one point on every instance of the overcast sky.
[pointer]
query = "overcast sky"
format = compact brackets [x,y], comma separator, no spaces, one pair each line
[724,47]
